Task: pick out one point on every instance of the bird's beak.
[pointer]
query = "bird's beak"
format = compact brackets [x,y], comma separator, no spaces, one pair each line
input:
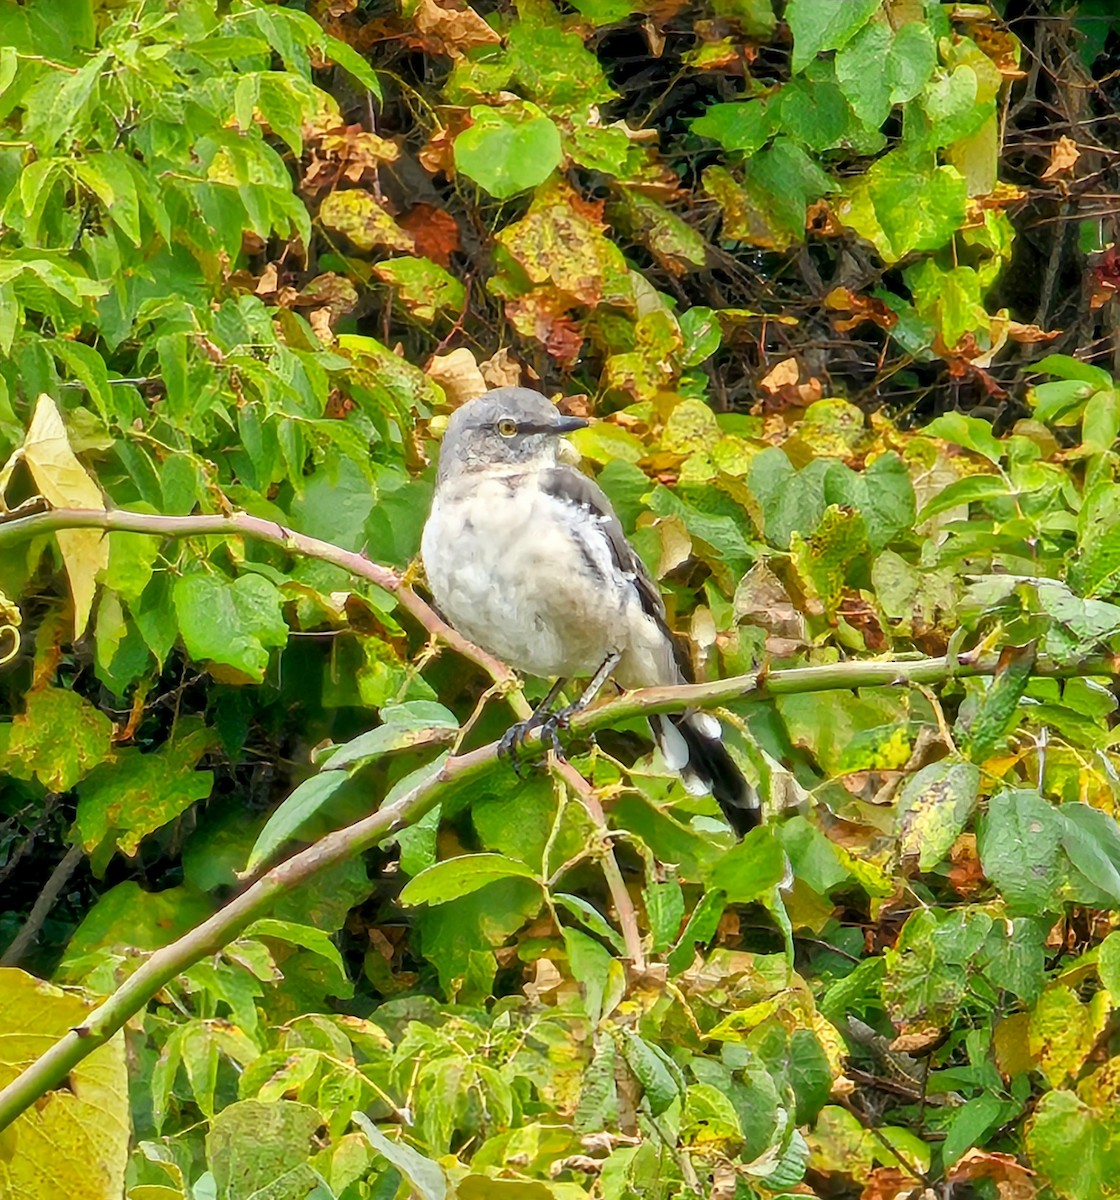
[569,424]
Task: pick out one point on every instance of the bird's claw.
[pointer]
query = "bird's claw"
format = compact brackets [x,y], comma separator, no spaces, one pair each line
[512,741]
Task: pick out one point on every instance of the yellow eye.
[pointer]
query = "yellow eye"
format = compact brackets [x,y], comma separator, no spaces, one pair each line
[507,427]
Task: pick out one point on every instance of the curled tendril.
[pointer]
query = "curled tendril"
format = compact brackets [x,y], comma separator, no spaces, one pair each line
[10,631]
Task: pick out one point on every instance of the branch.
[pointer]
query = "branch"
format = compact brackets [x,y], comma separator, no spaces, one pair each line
[40,910]
[52,1068]
[121,520]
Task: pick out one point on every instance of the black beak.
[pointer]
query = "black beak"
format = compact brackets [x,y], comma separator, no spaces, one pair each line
[568,424]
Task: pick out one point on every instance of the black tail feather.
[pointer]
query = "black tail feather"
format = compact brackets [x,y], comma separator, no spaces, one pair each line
[706,765]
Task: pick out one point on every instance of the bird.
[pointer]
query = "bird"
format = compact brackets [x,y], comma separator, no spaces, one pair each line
[525,556]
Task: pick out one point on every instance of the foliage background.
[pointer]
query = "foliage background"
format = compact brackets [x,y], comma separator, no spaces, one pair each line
[804,263]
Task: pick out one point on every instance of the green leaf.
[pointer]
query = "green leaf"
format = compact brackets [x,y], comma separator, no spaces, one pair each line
[1091,838]
[1108,964]
[58,738]
[745,125]
[423,286]
[750,869]
[860,73]
[972,433]
[295,812]
[1066,367]
[418,723]
[425,1176]
[664,910]
[258,1149]
[1020,851]
[933,808]
[230,623]
[140,793]
[460,876]
[904,204]
[973,489]
[508,150]
[819,25]
[305,936]
[910,61]
[882,494]
[1075,1148]
[658,1083]
[591,966]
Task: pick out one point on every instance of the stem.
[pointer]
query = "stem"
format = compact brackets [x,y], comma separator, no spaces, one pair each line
[53,1066]
[60,876]
[120,520]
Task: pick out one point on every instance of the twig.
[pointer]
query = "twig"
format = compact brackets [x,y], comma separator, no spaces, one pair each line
[243,525]
[53,1066]
[60,876]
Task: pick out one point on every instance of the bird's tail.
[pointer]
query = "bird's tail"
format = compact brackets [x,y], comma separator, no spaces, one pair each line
[692,744]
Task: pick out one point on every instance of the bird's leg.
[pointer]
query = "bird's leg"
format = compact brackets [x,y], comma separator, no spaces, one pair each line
[551,726]
[515,735]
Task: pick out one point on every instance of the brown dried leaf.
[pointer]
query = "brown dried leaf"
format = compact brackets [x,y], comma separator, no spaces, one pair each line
[1062,158]
[784,375]
[449,28]
[1027,334]
[501,370]
[860,309]
[458,374]
[435,232]
[546,317]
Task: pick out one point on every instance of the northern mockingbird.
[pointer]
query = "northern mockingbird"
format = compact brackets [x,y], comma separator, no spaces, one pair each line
[525,556]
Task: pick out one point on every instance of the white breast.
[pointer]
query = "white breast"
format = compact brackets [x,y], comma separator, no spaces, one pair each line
[507,572]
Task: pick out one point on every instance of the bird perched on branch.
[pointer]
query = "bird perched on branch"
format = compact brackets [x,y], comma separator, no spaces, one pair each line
[525,556]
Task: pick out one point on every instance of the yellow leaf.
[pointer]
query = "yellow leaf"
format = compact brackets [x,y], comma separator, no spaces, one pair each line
[65,483]
[73,1141]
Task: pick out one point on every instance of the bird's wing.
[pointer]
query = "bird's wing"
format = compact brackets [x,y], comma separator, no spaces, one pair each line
[573,487]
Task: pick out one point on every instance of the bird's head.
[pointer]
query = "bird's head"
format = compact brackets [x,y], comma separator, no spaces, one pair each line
[508,427]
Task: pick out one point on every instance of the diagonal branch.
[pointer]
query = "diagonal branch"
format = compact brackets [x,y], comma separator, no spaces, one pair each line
[52,1067]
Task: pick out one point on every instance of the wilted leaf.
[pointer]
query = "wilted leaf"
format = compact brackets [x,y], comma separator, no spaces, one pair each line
[933,807]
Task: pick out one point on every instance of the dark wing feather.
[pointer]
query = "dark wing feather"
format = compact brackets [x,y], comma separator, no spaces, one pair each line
[575,488]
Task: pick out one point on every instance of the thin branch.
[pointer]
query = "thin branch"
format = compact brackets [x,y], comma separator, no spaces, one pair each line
[44,902]
[122,520]
[52,1068]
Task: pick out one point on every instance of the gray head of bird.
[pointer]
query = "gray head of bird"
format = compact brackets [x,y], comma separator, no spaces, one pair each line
[510,427]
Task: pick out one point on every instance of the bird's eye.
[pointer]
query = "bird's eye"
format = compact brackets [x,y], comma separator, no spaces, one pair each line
[507,427]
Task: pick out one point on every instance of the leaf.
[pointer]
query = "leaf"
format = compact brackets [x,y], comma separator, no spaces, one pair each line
[508,150]
[658,1084]
[972,489]
[295,812]
[59,738]
[1091,838]
[750,869]
[819,25]
[860,73]
[425,1176]
[882,494]
[417,723]
[933,807]
[745,125]
[231,623]
[992,722]
[66,484]
[1074,1147]
[1020,851]
[74,1139]
[361,217]
[972,433]
[664,902]
[423,286]
[591,966]
[460,876]
[140,793]
[258,1149]
[904,204]
[307,937]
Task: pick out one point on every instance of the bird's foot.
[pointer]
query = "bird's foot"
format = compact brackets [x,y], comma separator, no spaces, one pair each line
[509,748]
[551,726]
